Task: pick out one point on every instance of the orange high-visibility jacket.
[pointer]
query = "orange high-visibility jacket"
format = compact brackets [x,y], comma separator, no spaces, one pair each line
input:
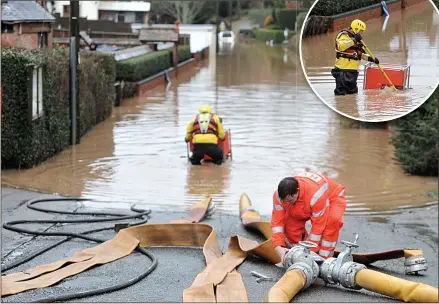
[288,220]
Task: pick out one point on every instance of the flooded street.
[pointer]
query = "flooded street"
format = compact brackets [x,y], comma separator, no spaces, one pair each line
[411,37]
[279,127]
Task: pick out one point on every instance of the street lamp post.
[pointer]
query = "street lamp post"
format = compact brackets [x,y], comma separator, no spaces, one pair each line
[73,69]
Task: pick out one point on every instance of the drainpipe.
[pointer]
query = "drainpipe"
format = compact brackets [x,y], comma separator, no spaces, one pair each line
[403,4]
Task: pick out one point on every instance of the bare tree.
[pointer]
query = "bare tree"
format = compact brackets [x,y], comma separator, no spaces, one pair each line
[185,11]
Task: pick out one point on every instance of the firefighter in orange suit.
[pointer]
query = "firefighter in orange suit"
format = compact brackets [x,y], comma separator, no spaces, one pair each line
[204,131]
[349,52]
[307,196]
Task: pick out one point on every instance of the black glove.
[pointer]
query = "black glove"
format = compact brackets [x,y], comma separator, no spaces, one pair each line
[186,141]
[357,38]
[376,61]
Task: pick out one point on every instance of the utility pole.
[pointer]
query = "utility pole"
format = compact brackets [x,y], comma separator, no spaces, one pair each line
[73,69]
[230,14]
[217,25]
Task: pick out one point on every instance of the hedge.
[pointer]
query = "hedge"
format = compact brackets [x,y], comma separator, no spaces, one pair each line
[258,15]
[300,20]
[142,67]
[286,18]
[416,139]
[335,7]
[26,143]
[96,89]
[277,35]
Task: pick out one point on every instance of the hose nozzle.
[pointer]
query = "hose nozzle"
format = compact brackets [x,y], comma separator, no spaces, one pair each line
[414,264]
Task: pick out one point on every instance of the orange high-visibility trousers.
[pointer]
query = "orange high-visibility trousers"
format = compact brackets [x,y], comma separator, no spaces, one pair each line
[337,207]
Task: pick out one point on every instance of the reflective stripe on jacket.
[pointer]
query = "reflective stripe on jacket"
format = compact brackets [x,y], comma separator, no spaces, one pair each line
[288,220]
[345,48]
[205,132]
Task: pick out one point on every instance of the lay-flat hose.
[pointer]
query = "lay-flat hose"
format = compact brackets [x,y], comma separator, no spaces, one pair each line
[286,288]
[116,217]
[396,288]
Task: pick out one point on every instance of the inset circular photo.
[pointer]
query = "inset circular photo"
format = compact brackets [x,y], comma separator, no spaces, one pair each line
[371,60]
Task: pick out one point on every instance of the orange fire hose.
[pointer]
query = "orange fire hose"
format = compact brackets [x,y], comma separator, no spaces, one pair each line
[220,270]
[396,288]
[286,288]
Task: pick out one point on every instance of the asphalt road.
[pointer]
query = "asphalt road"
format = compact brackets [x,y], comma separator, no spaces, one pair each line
[178,267]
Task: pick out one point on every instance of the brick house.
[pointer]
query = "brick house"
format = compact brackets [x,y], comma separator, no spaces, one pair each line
[26,24]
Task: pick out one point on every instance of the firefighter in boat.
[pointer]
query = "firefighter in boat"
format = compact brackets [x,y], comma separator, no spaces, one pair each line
[205,130]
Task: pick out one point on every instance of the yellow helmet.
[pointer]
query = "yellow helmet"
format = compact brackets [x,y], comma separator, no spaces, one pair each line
[357,26]
[205,109]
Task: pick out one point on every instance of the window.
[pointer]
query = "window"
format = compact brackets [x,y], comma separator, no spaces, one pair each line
[120,17]
[42,40]
[7,28]
[66,10]
[139,17]
[36,100]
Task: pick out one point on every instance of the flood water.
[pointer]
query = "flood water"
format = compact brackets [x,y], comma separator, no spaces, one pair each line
[411,38]
[279,128]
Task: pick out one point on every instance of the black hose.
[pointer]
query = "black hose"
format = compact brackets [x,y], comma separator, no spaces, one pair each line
[31,205]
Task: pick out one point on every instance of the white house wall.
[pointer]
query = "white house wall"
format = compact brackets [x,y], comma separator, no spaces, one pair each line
[201,35]
[90,9]
[132,6]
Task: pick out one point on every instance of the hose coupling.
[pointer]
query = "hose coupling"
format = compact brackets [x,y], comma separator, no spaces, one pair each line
[293,256]
[347,273]
[302,253]
[307,271]
[327,271]
[415,264]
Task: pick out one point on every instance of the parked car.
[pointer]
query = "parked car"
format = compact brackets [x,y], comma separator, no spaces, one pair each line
[226,37]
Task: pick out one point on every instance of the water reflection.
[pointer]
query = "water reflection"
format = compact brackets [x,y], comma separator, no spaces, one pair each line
[410,38]
[279,127]
[209,179]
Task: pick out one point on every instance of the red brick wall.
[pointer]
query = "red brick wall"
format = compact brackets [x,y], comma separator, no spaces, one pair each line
[28,39]
[197,56]
[344,22]
[9,40]
[414,2]
[143,89]
[393,7]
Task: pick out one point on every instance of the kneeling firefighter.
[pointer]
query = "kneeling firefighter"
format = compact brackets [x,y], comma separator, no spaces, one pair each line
[349,52]
[204,131]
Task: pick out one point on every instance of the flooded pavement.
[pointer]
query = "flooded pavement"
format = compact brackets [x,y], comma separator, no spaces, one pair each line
[279,127]
[411,37]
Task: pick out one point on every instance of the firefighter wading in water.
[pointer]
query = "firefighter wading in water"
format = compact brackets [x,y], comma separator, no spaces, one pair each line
[349,52]
[204,131]
[307,196]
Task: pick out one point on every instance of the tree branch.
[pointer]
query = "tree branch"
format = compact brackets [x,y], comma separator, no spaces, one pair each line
[185,11]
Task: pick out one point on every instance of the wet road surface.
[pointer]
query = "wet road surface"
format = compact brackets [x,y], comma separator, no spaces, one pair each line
[411,37]
[279,127]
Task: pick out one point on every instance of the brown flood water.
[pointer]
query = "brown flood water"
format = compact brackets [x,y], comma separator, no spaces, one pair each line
[410,38]
[279,127]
